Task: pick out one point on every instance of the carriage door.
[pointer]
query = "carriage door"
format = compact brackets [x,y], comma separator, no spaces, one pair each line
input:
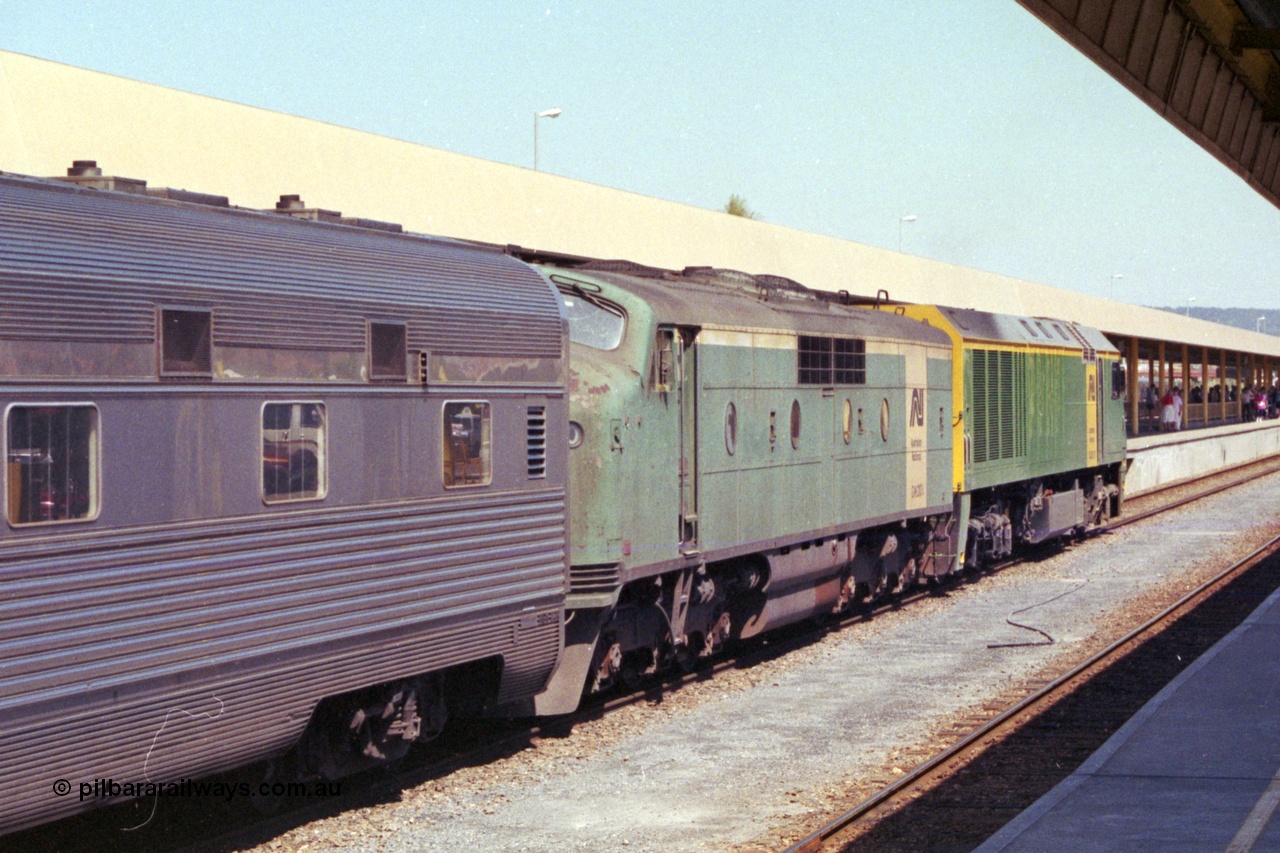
[686,377]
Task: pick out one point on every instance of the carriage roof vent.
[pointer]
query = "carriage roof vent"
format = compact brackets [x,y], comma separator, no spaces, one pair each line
[293,205]
[85,173]
[83,169]
[189,196]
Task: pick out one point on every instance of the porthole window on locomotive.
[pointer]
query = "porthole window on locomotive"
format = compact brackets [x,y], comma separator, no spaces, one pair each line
[846,421]
[730,428]
[795,424]
[467,452]
[294,452]
[884,420]
[53,457]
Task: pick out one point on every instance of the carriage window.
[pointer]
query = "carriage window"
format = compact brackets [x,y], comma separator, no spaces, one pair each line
[185,343]
[467,454]
[387,354]
[293,452]
[52,471]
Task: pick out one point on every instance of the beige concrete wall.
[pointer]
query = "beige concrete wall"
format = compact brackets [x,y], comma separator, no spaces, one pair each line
[1165,460]
[51,114]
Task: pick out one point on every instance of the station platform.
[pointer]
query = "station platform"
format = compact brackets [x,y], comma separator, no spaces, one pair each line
[1198,768]
[1169,458]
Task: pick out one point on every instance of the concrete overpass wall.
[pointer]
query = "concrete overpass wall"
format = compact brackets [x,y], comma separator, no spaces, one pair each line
[51,114]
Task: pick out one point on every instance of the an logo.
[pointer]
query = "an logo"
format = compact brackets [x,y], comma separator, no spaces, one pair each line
[916,419]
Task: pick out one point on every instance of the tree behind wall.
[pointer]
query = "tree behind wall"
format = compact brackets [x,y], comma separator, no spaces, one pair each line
[737,206]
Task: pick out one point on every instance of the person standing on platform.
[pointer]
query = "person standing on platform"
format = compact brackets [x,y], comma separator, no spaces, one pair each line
[1177,408]
[1166,411]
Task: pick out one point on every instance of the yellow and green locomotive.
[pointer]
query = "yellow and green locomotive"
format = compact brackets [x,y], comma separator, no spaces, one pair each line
[1038,438]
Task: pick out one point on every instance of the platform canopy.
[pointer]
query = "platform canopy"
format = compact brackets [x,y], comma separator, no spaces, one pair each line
[1210,67]
[52,114]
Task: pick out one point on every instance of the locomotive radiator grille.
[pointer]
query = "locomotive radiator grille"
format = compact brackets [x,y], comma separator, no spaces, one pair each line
[593,578]
[999,405]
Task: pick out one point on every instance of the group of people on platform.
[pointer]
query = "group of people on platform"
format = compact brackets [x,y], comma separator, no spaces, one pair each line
[1256,402]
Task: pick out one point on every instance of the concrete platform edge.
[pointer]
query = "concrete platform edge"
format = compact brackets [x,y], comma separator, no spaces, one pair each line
[1033,813]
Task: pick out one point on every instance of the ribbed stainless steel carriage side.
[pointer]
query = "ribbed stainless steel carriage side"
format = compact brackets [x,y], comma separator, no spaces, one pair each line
[191,626]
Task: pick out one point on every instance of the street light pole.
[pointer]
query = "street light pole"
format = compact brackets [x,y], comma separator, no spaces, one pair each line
[1190,299]
[1261,325]
[911,217]
[551,113]
[1114,278]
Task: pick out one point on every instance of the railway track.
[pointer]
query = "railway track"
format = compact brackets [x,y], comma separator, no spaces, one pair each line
[959,796]
[233,826]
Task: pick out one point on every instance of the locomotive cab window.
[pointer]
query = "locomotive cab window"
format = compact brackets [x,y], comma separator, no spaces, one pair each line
[467,446]
[1119,385]
[52,455]
[593,322]
[294,465]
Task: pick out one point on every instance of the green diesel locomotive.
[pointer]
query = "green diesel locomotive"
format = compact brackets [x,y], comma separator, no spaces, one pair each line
[746,453]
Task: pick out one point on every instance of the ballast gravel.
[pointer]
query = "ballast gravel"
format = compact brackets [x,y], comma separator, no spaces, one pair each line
[750,758]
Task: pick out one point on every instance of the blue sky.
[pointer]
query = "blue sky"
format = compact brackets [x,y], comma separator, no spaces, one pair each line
[1015,153]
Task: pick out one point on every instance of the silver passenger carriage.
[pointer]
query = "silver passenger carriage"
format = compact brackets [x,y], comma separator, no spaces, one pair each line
[261,472]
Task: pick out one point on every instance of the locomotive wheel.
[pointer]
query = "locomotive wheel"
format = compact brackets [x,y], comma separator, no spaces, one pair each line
[684,656]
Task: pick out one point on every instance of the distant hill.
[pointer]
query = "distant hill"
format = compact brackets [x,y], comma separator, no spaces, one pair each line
[1240,318]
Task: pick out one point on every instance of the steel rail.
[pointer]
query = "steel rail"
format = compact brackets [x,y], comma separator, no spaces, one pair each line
[813,842]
